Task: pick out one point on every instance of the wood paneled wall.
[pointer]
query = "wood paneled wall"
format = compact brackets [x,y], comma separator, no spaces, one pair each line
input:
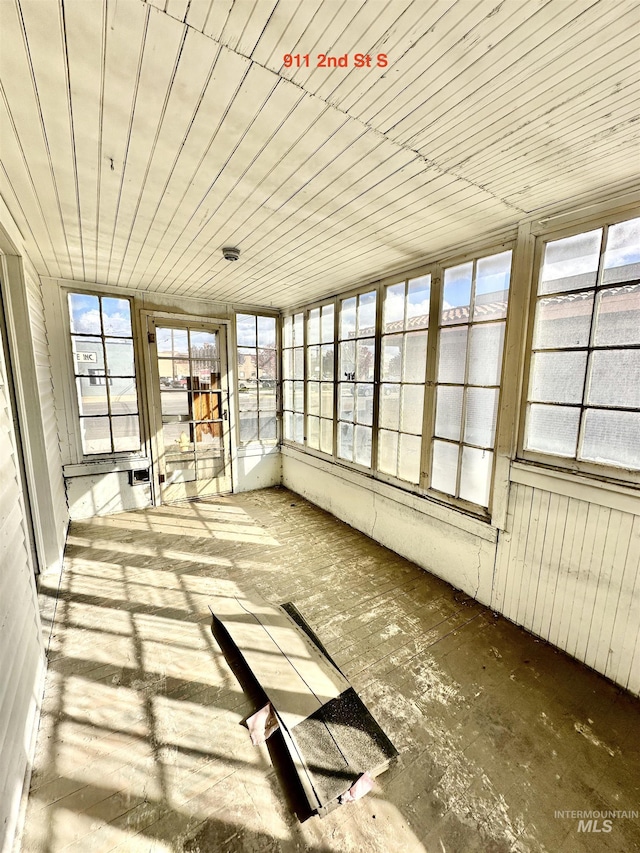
[568,570]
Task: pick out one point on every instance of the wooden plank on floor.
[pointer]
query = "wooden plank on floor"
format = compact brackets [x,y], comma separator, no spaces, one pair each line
[296,678]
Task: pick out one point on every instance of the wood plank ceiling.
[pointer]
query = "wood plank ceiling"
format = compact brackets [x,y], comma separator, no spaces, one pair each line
[138,138]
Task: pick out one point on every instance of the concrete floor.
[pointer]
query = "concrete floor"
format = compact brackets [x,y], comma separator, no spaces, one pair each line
[141,746]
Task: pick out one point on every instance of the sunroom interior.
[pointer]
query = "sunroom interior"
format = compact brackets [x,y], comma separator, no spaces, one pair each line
[376,260]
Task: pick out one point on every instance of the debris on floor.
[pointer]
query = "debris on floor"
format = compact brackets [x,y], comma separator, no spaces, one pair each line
[335,746]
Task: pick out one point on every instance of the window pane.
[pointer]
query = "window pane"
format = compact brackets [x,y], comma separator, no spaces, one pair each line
[612,437]
[411,412]
[246,330]
[298,363]
[288,425]
[313,398]
[326,436]
[327,321]
[348,318]
[126,433]
[475,475]
[390,407]
[96,435]
[553,429]
[249,426]
[313,326]
[485,354]
[313,432]
[418,296]
[298,396]
[268,398]
[366,313]
[557,377]
[172,342]
[92,397]
[444,471]
[348,360]
[267,332]
[618,316]
[452,355]
[409,458]
[456,294]
[119,357]
[203,344]
[287,364]
[388,452]
[313,362]
[287,332]
[172,435]
[570,263]
[393,308]
[622,258]
[326,400]
[365,360]
[563,321]
[298,330]
[364,403]
[362,446]
[492,287]
[391,365]
[614,379]
[287,395]
[415,357]
[326,363]
[88,356]
[268,426]
[84,313]
[345,401]
[481,413]
[267,367]
[298,428]
[174,403]
[449,412]
[345,441]
[123,396]
[116,317]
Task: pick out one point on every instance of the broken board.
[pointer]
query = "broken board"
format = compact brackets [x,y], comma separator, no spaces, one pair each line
[330,735]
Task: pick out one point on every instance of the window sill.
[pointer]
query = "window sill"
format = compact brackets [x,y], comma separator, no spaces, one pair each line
[106,466]
[575,485]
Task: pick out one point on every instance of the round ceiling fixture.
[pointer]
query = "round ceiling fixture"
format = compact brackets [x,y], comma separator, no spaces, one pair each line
[229,253]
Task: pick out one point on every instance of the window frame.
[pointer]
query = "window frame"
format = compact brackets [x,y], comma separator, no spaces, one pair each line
[435,269]
[257,442]
[75,429]
[544,235]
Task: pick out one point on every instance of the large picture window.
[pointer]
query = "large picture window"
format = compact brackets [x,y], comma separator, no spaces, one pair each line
[104,372]
[583,399]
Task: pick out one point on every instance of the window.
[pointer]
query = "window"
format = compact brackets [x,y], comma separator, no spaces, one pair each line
[257,377]
[293,378]
[320,355]
[583,401]
[104,371]
[402,375]
[472,325]
[356,365]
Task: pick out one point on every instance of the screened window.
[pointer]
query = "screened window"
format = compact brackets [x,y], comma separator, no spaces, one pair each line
[293,378]
[320,358]
[471,337]
[583,399]
[257,377]
[356,367]
[104,371]
[402,375]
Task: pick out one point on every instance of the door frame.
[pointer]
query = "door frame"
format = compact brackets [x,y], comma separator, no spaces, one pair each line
[148,322]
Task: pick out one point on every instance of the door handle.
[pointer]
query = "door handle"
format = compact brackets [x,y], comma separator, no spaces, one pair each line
[224,414]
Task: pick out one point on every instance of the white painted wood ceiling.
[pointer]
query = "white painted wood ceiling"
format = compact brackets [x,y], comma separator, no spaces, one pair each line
[139,138]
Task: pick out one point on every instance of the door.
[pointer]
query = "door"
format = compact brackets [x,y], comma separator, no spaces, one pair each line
[192,439]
